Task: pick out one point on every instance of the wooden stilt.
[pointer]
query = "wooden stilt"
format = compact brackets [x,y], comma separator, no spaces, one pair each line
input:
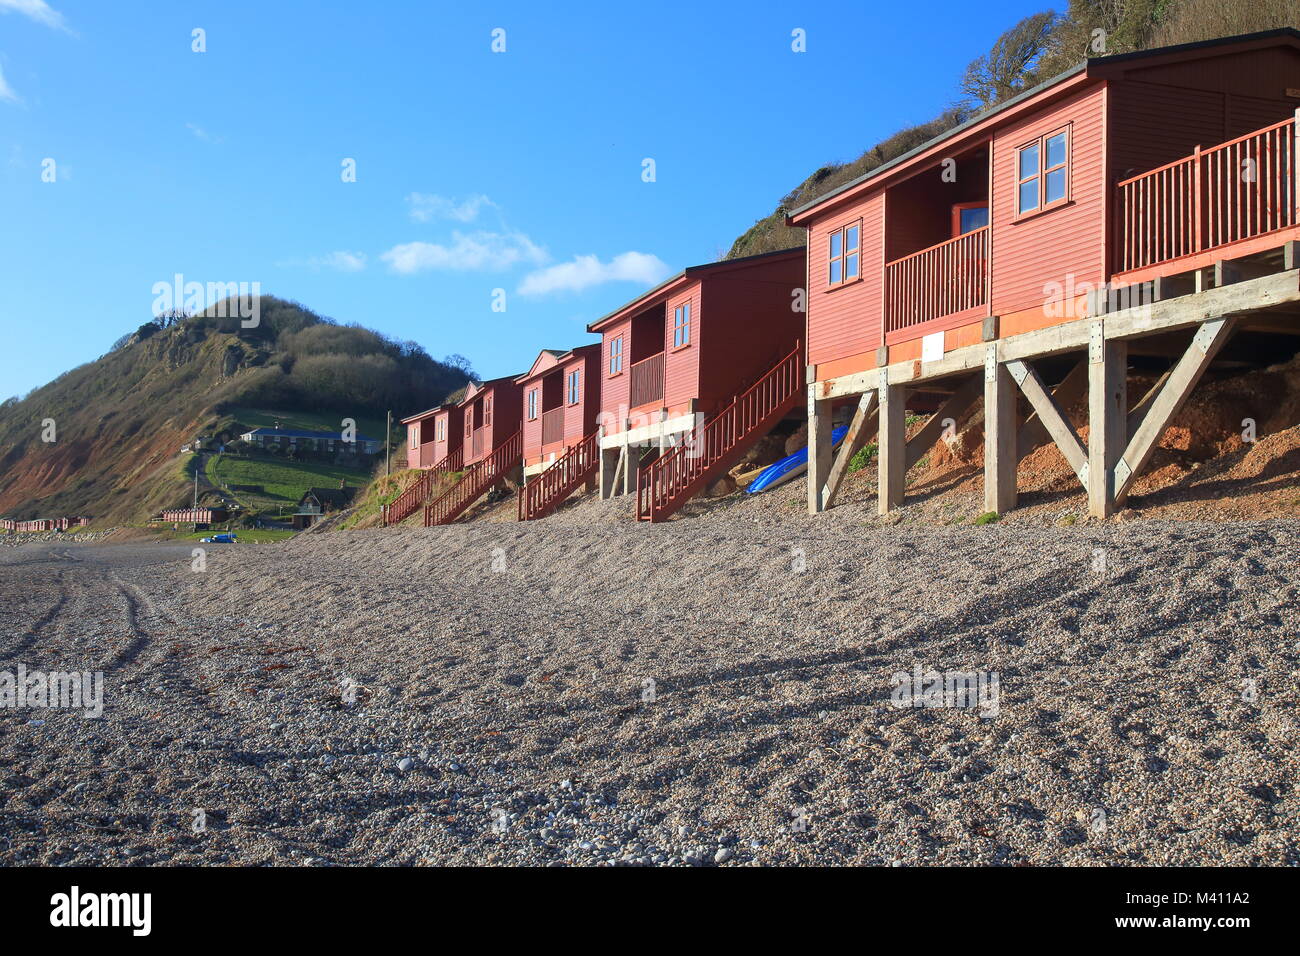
[621,470]
[1183,377]
[892,454]
[609,458]
[861,428]
[999,435]
[1107,417]
[819,449]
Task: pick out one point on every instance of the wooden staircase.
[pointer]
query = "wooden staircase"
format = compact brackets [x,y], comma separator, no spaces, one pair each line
[682,472]
[417,492]
[481,478]
[546,492]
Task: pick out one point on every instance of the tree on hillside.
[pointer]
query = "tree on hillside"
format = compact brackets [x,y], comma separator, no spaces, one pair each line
[1011,65]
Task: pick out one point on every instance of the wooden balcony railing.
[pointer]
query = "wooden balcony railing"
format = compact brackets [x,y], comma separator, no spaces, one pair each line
[647,381]
[553,426]
[947,278]
[1237,190]
[545,492]
[674,477]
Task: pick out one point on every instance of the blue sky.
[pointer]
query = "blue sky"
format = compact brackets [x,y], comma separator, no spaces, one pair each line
[475,170]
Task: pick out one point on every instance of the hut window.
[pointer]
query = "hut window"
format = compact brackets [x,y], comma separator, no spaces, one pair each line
[1042,172]
[844,253]
[532,404]
[682,325]
[487,411]
[573,387]
[616,355]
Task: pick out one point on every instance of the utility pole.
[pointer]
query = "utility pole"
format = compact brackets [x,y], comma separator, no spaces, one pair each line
[198,463]
[388,444]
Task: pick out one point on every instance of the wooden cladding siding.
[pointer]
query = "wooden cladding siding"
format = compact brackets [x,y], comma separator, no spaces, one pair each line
[682,365]
[559,422]
[1163,112]
[741,323]
[482,436]
[1065,244]
[423,449]
[751,324]
[846,320]
[615,390]
[1154,124]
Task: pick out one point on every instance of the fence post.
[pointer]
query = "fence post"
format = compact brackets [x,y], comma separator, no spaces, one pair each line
[1198,204]
[1295,168]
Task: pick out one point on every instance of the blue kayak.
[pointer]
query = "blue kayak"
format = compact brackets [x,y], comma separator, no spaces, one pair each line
[791,467]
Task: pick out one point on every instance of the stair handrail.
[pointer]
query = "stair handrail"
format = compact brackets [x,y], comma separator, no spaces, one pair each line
[676,468]
[481,475]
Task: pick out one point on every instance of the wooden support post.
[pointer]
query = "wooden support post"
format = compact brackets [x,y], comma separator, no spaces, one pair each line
[1226,272]
[1171,287]
[819,448]
[861,428]
[620,472]
[892,445]
[609,458]
[1033,435]
[1183,377]
[952,409]
[1291,253]
[625,464]
[999,435]
[1051,416]
[1107,413]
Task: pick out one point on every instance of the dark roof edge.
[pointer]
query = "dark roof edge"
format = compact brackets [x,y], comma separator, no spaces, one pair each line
[692,271]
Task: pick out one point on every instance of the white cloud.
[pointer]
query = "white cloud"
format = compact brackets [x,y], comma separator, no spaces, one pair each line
[344,261]
[466,252]
[37,10]
[340,261]
[7,91]
[200,133]
[426,207]
[586,271]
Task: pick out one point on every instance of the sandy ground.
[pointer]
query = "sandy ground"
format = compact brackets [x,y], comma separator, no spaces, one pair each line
[711,690]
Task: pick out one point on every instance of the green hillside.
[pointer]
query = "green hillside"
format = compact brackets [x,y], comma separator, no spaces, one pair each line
[119,422]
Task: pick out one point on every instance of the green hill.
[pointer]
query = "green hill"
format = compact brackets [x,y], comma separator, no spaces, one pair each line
[119,422]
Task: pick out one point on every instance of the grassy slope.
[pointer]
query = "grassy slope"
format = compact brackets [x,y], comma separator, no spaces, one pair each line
[282,482]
